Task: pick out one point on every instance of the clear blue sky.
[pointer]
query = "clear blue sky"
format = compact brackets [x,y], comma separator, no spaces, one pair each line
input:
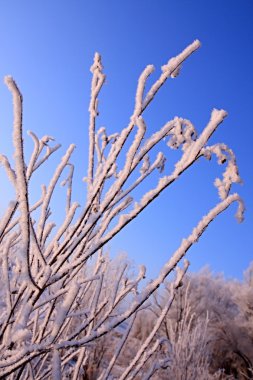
[48,47]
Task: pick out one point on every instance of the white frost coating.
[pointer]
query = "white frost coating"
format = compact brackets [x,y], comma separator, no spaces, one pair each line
[96,85]
[63,309]
[47,231]
[34,155]
[47,271]
[174,62]
[50,189]
[20,170]
[142,272]
[217,116]
[176,72]
[131,161]
[140,89]
[10,172]
[219,150]
[22,335]
[160,162]
[49,152]
[240,210]
[20,330]
[150,195]
[135,145]
[6,274]
[182,134]
[145,164]
[56,365]
[68,181]
[77,303]
[106,373]
[169,69]
[106,221]
[168,267]
[63,227]
[143,349]
[145,170]
[122,176]
[7,217]
[117,281]
[152,141]
[124,135]
[112,171]
[231,174]
[35,247]
[147,354]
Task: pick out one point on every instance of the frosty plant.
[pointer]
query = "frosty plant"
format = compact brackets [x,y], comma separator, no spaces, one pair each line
[56,303]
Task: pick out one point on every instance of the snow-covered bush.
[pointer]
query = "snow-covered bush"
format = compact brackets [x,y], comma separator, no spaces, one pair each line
[59,297]
[209,327]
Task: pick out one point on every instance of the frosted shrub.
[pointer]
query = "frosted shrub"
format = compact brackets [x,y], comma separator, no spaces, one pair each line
[209,327]
[57,307]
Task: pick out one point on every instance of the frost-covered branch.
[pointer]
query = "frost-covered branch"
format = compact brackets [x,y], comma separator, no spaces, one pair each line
[96,85]
[21,182]
[62,296]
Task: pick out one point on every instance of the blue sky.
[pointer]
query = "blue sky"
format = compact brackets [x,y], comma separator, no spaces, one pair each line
[48,47]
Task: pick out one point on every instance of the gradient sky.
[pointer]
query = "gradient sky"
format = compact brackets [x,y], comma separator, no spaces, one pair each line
[48,47]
